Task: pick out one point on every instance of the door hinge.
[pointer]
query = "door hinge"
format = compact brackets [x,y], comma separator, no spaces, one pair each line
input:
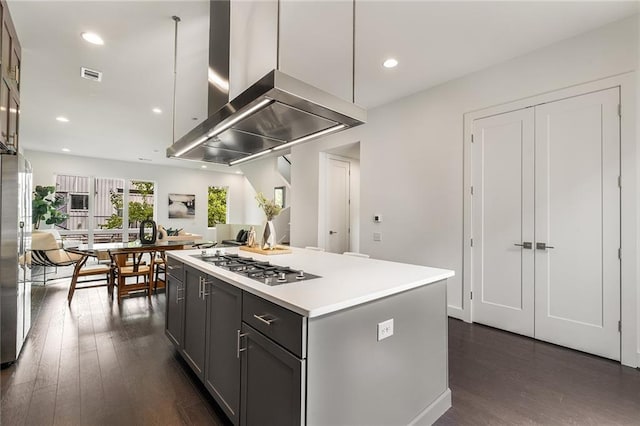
[471,137]
[620,253]
[620,182]
[472,242]
[619,326]
[471,295]
[471,190]
[619,110]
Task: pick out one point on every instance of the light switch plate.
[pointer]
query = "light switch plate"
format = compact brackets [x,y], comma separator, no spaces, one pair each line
[385,329]
[377,236]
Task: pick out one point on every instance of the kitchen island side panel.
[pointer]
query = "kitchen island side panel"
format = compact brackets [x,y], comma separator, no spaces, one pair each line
[352,378]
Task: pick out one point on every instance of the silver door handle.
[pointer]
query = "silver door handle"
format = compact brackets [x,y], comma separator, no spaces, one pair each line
[261,318]
[238,350]
[333,232]
[543,246]
[525,245]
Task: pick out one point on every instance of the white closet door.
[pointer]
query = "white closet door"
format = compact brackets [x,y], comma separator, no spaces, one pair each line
[577,212]
[503,152]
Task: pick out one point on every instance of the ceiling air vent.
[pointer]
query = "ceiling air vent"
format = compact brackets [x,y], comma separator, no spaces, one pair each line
[90,74]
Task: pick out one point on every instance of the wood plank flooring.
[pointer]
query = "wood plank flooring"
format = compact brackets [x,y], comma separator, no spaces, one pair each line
[499,378]
[96,363]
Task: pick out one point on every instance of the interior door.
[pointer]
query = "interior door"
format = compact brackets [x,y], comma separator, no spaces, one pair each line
[338,190]
[503,292]
[577,275]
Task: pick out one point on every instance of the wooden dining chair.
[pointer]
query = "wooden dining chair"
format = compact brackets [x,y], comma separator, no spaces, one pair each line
[128,264]
[160,271]
[102,273]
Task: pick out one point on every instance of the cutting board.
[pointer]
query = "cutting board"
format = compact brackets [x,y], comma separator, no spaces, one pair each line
[277,250]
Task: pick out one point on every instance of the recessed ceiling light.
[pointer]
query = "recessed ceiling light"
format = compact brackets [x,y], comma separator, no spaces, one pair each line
[203,166]
[92,38]
[390,63]
[238,172]
[65,150]
[62,119]
[157,110]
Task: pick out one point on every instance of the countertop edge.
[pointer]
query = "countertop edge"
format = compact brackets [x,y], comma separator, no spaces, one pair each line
[237,281]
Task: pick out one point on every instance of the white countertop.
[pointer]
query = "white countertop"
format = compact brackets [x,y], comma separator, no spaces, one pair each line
[346,280]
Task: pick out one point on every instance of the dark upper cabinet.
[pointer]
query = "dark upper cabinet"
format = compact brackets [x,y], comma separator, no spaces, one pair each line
[195,311]
[222,369]
[10,57]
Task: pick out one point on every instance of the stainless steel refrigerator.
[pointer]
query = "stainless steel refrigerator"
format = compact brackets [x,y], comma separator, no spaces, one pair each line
[15,240]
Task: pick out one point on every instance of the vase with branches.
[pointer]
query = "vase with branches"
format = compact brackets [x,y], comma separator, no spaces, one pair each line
[271,210]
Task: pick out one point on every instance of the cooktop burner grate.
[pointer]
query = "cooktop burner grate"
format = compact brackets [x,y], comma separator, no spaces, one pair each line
[261,271]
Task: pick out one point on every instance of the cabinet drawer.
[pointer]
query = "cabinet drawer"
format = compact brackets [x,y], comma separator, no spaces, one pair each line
[175,268]
[282,325]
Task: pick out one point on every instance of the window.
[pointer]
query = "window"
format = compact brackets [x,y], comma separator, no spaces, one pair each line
[217,203]
[79,201]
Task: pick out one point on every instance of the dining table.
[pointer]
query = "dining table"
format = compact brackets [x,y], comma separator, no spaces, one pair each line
[101,250]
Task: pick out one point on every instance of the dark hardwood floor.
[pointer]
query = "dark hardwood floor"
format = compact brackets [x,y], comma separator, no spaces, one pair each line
[99,364]
[499,378]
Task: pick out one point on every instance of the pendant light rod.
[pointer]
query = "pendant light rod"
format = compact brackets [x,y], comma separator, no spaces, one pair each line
[278,38]
[353,56]
[176,19]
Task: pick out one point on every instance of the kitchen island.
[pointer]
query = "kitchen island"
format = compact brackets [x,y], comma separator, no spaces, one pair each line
[355,341]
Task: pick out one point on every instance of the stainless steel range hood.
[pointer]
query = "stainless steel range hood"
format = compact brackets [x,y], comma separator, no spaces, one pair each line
[275,113]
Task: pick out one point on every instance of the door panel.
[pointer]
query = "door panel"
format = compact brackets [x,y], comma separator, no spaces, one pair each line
[503,217]
[338,189]
[195,307]
[578,214]
[222,372]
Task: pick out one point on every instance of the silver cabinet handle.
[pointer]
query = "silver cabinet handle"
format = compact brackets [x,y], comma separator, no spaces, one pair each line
[261,318]
[178,298]
[543,246]
[525,244]
[238,350]
[200,289]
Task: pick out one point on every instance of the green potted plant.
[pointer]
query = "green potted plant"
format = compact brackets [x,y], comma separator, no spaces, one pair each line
[45,206]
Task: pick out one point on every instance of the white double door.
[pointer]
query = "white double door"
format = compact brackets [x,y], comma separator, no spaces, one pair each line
[546,222]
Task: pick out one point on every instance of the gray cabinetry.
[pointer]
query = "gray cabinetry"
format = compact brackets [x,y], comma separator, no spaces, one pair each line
[272,385]
[175,310]
[174,315]
[222,368]
[195,316]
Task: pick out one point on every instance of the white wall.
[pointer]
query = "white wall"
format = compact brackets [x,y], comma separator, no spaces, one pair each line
[412,150]
[263,176]
[168,180]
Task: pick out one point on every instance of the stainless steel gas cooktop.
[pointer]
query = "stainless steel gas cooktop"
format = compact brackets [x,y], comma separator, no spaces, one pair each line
[263,272]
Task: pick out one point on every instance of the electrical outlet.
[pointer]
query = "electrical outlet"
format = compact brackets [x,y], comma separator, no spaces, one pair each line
[385,329]
[377,236]
[377,218]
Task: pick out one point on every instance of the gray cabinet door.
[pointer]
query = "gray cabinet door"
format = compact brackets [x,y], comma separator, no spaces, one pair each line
[222,370]
[272,391]
[195,306]
[175,311]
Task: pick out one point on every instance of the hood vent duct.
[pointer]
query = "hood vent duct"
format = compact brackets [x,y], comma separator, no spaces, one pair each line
[275,113]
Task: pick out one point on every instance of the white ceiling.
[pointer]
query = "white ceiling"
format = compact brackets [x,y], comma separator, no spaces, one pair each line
[434,42]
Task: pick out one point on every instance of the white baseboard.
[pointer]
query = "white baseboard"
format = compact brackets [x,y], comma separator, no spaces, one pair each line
[455,312]
[433,412]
